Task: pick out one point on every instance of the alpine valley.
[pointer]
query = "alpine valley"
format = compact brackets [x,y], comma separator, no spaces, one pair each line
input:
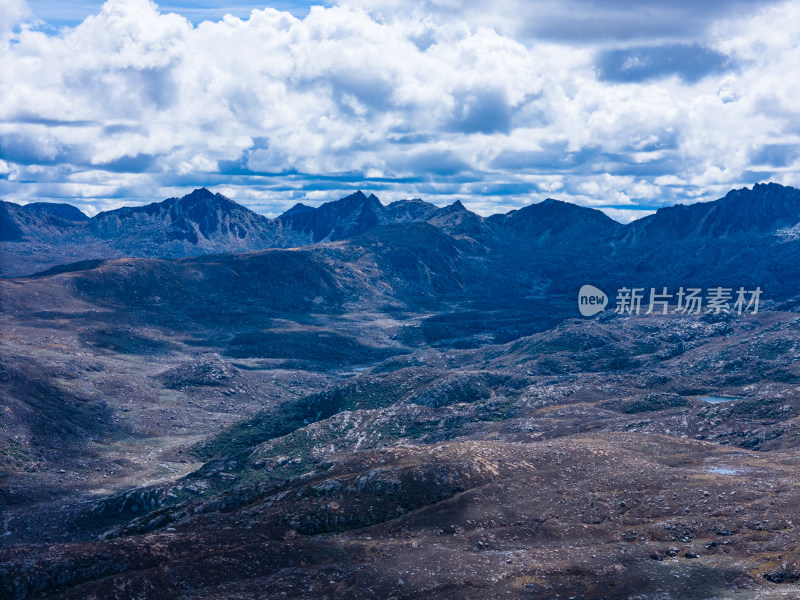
[362,400]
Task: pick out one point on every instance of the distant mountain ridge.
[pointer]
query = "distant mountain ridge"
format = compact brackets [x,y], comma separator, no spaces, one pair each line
[63,211]
[199,223]
[765,209]
[40,222]
[562,235]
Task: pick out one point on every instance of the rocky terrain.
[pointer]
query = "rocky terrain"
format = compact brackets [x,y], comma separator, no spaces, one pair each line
[407,406]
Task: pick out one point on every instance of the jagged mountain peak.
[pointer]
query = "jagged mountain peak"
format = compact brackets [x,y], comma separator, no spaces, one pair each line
[200,194]
[206,198]
[458,209]
[355,199]
[457,220]
[551,205]
[197,223]
[457,205]
[334,220]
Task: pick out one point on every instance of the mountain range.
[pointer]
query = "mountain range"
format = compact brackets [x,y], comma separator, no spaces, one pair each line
[36,235]
[206,223]
[750,237]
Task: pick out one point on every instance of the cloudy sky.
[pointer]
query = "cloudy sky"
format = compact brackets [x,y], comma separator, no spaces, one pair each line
[624,105]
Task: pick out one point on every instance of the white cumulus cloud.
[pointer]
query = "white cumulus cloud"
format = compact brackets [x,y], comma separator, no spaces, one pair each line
[432,101]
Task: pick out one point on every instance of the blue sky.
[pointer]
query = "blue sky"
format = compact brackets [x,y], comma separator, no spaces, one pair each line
[623,105]
[69,14]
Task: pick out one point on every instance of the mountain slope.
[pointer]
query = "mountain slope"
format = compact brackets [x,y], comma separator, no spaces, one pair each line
[332,221]
[554,221]
[743,239]
[41,222]
[64,211]
[459,222]
[764,209]
[408,211]
[199,223]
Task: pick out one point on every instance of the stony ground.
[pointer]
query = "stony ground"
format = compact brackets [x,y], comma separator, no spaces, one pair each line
[144,461]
